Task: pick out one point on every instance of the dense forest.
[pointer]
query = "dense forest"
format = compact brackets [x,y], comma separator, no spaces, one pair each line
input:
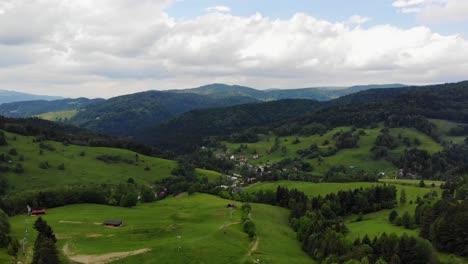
[403,107]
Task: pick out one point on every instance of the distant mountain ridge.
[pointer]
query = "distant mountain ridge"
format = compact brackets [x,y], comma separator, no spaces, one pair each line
[36,107]
[7,96]
[318,93]
[131,115]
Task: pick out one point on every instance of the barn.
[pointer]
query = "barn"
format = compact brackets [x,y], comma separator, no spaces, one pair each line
[38,212]
[113,223]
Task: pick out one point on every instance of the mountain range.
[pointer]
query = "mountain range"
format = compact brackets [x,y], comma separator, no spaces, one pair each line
[159,106]
[13,96]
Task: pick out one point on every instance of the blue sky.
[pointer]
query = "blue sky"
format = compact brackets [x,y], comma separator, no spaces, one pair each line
[379,11]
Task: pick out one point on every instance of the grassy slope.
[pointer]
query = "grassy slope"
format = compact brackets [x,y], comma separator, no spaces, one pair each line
[198,219]
[59,115]
[309,188]
[358,157]
[78,169]
[375,223]
[444,127]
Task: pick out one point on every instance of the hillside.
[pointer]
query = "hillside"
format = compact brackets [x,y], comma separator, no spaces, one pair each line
[396,107]
[183,229]
[32,108]
[191,128]
[49,164]
[13,96]
[128,115]
[317,93]
[270,150]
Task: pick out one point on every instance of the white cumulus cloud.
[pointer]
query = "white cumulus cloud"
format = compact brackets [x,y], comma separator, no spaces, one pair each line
[435,11]
[105,48]
[222,9]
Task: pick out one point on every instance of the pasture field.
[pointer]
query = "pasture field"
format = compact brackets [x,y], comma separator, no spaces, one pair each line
[194,228]
[372,224]
[359,157]
[412,182]
[309,188]
[444,126]
[59,115]
[80,165]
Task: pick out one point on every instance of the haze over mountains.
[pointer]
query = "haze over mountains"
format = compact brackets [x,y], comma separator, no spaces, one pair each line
[7,96]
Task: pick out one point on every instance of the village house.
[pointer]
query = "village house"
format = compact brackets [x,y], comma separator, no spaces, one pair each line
[113,223]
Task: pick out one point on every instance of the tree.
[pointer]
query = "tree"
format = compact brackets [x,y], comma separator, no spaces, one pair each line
[422,184]
[4,229]
[61,167]
[393,215]
[3,141]
[406,220]
[44,246]
[403,196]
[13,248]
[147,194]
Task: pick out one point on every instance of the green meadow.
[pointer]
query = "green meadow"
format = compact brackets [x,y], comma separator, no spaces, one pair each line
[372,224]
[194,228]
[444,126]
[359,157]
[59,115]
[80,165]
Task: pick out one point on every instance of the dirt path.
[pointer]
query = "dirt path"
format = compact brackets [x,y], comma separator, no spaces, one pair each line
[254,246]
[230,224]
[70,222]
[102,258]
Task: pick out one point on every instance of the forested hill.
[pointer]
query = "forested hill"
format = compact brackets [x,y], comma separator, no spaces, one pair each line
[31,108]
[446,101]
[396,107]
[317,93]
[194,126]
[67,134]
[129,114]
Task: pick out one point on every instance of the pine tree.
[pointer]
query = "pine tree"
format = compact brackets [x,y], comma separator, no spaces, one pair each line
[44,246]
[403,196]
[393,215]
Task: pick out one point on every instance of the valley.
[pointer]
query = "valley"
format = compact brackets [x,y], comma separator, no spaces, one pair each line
[286,181]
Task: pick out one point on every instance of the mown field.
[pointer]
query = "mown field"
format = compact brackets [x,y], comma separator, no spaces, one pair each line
[184,229]
[359,157]
[59,115]
[444,126]
[81,165]
[372,224]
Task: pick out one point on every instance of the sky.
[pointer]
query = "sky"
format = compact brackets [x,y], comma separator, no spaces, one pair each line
[105,48]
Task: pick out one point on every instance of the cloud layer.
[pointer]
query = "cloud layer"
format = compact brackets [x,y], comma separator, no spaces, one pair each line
[435,11]
[109,47]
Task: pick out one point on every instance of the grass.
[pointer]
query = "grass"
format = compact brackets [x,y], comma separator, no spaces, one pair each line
[309,188]
[373,224]
[358,157]
[79,169]
[412,182]
[444,126]
[198,219]
[59,115]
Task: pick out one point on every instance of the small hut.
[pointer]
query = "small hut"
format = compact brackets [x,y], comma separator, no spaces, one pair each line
[113,223]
